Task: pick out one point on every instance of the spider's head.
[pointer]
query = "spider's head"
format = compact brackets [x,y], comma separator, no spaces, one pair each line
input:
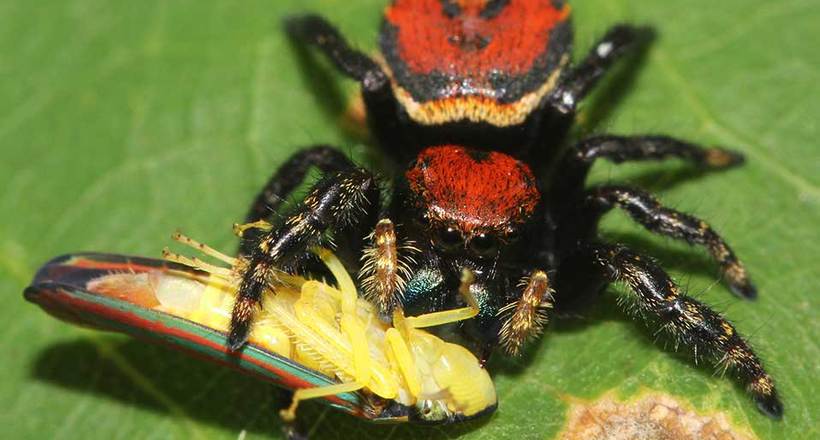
[471,204]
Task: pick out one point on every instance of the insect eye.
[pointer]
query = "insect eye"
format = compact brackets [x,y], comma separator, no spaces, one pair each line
[449,239]
[484,245]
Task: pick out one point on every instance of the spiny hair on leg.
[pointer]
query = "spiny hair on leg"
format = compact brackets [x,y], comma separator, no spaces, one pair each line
[386,266]
[526,318]
[353,202]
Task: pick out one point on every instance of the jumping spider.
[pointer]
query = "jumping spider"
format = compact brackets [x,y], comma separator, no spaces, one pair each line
[478,97]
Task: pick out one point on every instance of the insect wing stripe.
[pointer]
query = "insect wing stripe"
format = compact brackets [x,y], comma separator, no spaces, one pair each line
[75,304]
[189,308]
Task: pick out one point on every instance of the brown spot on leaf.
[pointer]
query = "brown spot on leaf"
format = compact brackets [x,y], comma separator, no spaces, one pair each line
[651,417]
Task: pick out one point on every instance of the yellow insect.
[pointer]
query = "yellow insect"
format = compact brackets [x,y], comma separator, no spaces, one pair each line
[331,330]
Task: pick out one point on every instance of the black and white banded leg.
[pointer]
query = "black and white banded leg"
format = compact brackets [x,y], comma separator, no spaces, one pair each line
[689,322]
[652,215]
[336,201]
[286,179]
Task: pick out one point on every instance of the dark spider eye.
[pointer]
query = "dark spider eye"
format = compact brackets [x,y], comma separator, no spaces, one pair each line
[449,239]
[512,237]
[484,245]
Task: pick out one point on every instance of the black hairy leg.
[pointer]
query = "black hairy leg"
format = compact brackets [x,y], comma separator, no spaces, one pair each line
[313,30]
[689,322]
[652,147]
[648,211]
[291,174]
[618,149]
[287,178]
[333,203]
[316,31]
[619,41]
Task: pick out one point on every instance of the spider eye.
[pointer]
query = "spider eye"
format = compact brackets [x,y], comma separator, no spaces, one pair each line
[513,237]
[484,245]
[449,239]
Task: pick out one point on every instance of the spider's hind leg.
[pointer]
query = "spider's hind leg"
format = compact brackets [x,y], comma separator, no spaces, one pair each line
[315,31]
[688,321]
[618,42]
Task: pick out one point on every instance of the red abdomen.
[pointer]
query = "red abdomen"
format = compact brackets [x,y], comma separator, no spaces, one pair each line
[488,61]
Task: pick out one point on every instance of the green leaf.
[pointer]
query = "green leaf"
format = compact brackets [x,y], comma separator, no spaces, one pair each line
[123,121]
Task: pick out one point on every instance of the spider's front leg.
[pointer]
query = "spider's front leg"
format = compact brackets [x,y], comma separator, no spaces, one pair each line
[688,321]
[285,180]
[335,202]
[291,174]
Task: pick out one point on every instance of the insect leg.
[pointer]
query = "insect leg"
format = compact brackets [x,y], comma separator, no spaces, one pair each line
[404,359]
[351,327]
[447,316]
[691,323]
[526,317]
[240,229]
[648,211]
[618,42]
[401,332]
[336,201]
[350,323]
[289,414]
